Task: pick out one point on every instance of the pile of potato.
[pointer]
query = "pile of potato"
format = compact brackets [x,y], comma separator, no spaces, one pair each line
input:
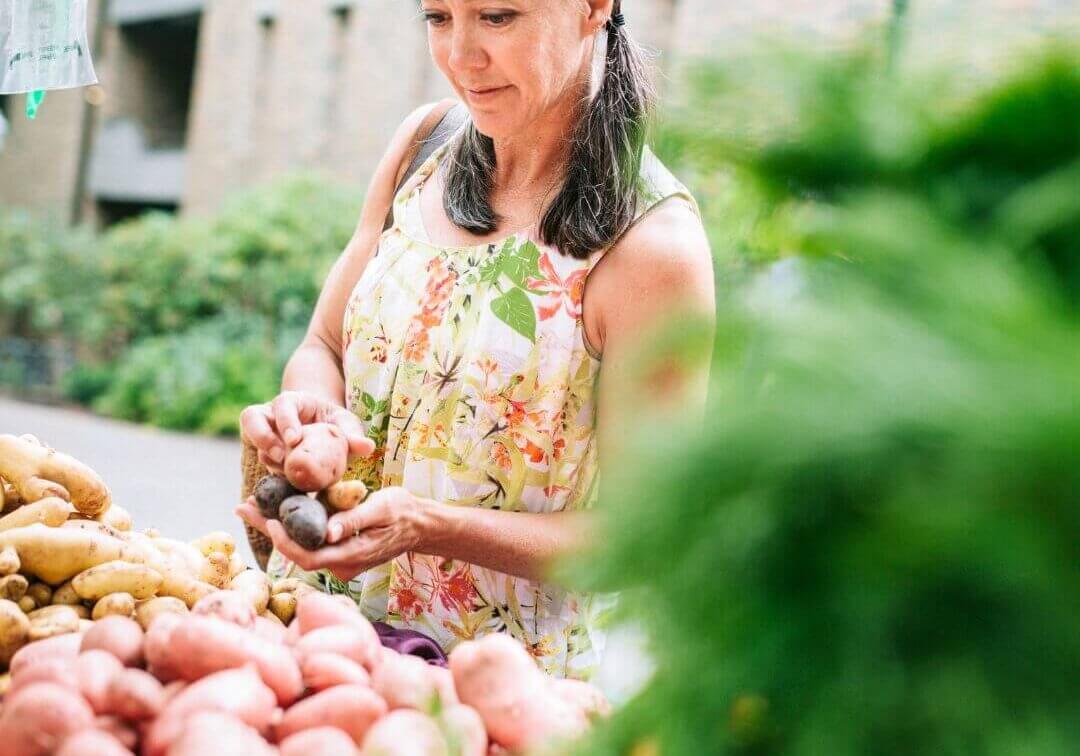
[224,679]
[68,555]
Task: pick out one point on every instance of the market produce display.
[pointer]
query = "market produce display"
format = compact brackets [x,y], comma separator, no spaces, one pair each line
[119,642]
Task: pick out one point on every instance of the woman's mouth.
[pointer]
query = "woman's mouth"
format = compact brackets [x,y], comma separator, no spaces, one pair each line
[486,93]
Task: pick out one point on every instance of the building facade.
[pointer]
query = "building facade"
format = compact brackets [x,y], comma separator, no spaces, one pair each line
[201,97]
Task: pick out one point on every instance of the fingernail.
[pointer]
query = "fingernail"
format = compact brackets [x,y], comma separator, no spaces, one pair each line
[291,436]
[277,454]
[334,532]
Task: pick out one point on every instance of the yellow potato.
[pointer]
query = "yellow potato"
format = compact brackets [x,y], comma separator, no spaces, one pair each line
[218,540]
[283,606]
[117,576]
[27,604]
[40,593]
[116,517]
[218,573]
[13,587]
[59,610]
[37,472]
[122,604]
[236,565]
[54,555]
[14,630]
[64,619]
[65,594]
[184,587]
[147,611]
[9,561]
[52,511]
[255,585]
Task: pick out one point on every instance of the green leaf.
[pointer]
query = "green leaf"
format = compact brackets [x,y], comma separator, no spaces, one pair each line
[522,263]
[515,309]
[368,400]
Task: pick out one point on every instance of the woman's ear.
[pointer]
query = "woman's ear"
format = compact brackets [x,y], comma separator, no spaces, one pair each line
[599,11]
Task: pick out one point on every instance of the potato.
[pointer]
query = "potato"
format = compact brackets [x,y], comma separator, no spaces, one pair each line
[285,585]
[27,604]
[157,645]
[47,670]
[320,458]
[351,708]
[119,729]
[92,743]
[231,606]
[236,565]
[324,741]
[117,576]
[120,636]
[405,733]
[404,683]
[37,471]
[5,684]
[581,695]
[205,645]
[14,630]
[147,611]
[9,561]
[283,606]
[316,610]
[65,594]
[95,670]
[322,671]
[13,587]
[220,734]
[217,570]
[269,492]
[51,511]
[464,730]
[57,620]
[343,495]
[133,695]
[40,593]
[269,628]
[116,517]
[497,677]
[54,555]
[347,640]
[217,540]
[444,684]
[305,521]
[64,647]
[61,610]
[119,604]
[255,585]
[37,719]
[236,692]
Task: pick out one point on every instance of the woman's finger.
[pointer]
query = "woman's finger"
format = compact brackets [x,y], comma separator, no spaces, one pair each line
[351,522]
[359,444]
[291,411]
[249,513]
[257,426]
[270,465]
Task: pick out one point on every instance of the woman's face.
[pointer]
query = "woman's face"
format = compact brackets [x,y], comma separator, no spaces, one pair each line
[512,61]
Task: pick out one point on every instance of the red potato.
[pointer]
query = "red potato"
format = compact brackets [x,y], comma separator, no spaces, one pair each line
[351,708]
[269,630]
[37,720]
[444,683]
[210,732]
[160,656]
[405,732]
[315,610]
[320,458]
[120,636]
[92,743]
[292,634]
[237,692]
[349,641]
[173,688]
[585,697]
[231,606]
[119,729]
[323,670]
[404,682]
[58,647]
[134,695]
[47,670]
[464,730]
[205,645]
[498,678]
[95,670]
[323,741]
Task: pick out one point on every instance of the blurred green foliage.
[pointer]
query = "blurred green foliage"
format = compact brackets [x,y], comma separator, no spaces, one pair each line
[870,548]
[178,322]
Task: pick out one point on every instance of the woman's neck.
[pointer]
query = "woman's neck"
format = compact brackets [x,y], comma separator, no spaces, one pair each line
[529,162]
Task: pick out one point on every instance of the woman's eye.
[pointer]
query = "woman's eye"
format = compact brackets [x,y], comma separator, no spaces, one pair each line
[498,19]
[435,19]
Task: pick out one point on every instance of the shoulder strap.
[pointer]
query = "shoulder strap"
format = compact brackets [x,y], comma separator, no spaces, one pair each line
[438,126]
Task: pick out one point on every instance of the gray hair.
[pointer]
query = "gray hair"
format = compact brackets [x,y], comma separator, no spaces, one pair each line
[600,194]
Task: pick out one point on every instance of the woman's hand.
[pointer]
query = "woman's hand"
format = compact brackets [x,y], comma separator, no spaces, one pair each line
[274,428]
[391,522]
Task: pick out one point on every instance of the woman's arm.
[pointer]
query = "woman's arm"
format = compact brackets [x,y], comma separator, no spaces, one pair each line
[660,269]
[313,385]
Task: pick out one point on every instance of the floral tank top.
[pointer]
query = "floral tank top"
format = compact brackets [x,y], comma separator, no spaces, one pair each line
[469,369]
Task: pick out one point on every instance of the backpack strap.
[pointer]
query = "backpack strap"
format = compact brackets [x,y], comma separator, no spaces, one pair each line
[441,123]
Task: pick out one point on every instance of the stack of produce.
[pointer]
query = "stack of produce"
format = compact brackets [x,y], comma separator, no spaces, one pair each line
[225,679]
[122,642]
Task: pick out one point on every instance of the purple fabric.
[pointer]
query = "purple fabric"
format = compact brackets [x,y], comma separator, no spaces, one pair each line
[410,642]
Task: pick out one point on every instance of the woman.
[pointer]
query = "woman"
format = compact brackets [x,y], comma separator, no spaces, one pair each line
[528,251]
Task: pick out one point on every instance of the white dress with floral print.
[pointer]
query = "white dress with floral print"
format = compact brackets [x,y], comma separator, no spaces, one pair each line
[468,367]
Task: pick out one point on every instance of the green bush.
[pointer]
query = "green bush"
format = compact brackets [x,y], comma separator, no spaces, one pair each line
[871,547]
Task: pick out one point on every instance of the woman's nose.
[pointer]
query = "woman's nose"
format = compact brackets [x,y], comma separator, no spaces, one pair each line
[466,52]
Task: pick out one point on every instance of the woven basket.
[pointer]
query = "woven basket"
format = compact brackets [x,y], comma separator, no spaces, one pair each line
[253,471]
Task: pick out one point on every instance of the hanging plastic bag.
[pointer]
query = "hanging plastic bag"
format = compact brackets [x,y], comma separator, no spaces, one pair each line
[44,46]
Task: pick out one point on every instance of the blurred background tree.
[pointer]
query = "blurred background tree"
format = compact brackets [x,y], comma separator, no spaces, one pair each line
[871,548]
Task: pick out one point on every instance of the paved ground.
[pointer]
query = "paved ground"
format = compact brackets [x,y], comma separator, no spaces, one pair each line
[183,485]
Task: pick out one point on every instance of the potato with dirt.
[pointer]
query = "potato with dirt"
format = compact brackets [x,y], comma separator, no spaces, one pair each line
[270,491]
[36,472]
[405,733]
[305,521]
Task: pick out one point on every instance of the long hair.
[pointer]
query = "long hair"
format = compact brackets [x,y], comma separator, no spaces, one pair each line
[599,196]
